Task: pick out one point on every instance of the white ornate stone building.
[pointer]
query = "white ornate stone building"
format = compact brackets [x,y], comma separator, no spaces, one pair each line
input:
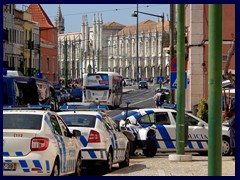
[112,47]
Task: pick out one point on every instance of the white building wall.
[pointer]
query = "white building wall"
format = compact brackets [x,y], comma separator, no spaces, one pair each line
[194,90]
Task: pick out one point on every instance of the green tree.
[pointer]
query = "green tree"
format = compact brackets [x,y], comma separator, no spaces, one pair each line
[203,110]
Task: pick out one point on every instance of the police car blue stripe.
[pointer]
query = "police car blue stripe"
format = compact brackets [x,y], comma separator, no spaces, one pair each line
[92,154]
[83,141]
[37,164]
[6,154]
[19,153]
[115,140]
[26,170]
[199,143]
[56,137]
[47,166]
[23,163]
[190,145]
[8,160]
[149,111]
[166,138]
[64,154]
[99,117]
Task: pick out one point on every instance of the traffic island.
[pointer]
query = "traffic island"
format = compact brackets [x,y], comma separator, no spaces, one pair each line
[180,157]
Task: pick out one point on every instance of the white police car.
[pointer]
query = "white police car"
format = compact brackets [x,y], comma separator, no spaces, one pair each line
[165,122]
[39,143]
[103,144]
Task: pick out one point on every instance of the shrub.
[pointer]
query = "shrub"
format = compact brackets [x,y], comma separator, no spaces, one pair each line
[202,110]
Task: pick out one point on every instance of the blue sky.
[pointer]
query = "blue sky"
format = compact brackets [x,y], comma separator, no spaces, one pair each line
[120,13]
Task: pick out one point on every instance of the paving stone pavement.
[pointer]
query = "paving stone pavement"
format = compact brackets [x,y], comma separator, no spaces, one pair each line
[162,166]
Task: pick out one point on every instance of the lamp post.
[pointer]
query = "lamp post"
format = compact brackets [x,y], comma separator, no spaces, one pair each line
[135,14]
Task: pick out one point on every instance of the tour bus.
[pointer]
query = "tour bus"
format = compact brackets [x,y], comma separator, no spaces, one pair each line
[16,91]
[103,88]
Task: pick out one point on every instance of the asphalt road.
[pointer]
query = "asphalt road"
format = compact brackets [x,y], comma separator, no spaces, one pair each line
[138,98]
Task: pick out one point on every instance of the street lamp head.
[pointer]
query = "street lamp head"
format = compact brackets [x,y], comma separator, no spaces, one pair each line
[134,14]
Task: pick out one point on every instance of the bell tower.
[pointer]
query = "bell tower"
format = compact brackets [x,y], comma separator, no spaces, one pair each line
[59,21]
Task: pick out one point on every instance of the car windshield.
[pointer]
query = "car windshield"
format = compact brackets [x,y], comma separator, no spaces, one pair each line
[22,121]
[79,120]
[123,115]
[143,82]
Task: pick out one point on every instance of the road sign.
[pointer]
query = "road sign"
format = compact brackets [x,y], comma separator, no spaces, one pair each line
[173,80]
[160,79]
[173,64]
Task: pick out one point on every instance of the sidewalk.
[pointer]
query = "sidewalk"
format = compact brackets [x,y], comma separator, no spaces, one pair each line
[161,166]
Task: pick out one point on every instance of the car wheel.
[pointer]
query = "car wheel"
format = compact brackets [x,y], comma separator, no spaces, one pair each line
[78,168]
[226,149]
[109,163]
[125,163]
[55,170]
[151,148]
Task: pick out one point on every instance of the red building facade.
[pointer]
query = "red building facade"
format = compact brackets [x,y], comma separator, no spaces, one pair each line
[48,42]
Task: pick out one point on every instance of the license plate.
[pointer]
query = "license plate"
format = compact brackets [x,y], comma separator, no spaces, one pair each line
[9,166]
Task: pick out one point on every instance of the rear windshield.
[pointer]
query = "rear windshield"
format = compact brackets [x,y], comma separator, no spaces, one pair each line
[22,121]
[79,120]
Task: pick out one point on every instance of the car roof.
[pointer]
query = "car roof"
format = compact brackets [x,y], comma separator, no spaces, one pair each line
[94,113]
[155,109]
[25,111]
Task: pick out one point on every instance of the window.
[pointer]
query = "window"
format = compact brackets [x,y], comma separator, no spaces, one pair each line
[55,125]
[48,65]
[162,118]
[53,65]
[191,121]
[22,121]
[144,120]
[79,120]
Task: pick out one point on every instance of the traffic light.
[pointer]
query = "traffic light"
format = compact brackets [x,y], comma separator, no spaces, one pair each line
[34,71]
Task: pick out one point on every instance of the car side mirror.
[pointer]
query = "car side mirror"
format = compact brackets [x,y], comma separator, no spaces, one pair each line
[76,133]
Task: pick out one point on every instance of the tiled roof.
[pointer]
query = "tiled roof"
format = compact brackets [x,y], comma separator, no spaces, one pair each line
[145,26]
[39,15]
[113,24]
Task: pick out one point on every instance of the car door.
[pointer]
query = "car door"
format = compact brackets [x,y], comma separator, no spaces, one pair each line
[197,135]
[166,131]
[72,148]
[64,143]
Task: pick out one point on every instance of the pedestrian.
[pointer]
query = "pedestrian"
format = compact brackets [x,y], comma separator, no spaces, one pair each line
[231,122]
[163,97]
[156,98]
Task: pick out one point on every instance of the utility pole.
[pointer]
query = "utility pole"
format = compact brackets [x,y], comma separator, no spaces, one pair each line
[172,20]
[162,57]
[180,135]
[214,90]
[65,63]
[137,77]
[30,62]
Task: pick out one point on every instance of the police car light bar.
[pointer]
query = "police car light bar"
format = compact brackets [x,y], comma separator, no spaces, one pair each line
[27,107]
[79,108]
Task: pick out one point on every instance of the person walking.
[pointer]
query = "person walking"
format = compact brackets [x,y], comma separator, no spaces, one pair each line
[156,98]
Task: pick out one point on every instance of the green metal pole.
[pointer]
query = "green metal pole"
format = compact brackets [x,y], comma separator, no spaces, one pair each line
[180,136]
[65,64]
[215,91]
